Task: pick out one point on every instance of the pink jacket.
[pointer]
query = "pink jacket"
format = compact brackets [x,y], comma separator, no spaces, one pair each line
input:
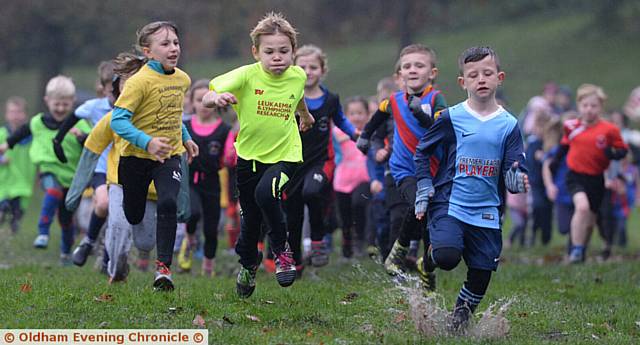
[352,170]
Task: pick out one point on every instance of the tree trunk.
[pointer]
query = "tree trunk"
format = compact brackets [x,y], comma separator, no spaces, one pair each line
[51,59]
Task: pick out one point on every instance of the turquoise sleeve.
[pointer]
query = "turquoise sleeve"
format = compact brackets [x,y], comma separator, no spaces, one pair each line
[121,125]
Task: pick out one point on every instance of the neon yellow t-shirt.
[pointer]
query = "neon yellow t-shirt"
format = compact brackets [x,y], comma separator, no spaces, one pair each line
[156,103]
[99,139]
[266,111]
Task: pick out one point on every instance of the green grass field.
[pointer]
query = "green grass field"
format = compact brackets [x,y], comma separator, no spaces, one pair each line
[356,302]
[343,303]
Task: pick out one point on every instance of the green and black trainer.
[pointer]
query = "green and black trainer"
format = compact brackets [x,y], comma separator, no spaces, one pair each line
[395,262]
[246,281]
[426,271]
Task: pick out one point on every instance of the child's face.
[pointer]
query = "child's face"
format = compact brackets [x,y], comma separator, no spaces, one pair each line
[357,114]
[590,108]
[481,78]
[416,71]
[275,53]
[201,111]
[59,107]
[15,115]
[312,66]
[164,48]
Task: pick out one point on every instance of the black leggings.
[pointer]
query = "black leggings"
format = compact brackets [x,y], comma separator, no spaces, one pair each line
[260,188]
[205,205]
[397,207]
[135,174]
[312,191]
[352,208]
[412,228]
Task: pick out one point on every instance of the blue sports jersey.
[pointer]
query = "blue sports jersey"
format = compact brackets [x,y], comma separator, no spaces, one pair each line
[476,153]
[407,133]
[93,110]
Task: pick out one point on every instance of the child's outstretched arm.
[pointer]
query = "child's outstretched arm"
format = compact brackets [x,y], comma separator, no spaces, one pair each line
[379,117]
[617,149]
[547,178]
[66,126]
[121,124]
[15,138]
[213,99]
[431,140]
[192,148]
[513,163]
[306,119]
[341,121]
[81,180]
[100,137]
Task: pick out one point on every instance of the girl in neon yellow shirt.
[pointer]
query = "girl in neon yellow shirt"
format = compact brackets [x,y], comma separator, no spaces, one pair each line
[266,96]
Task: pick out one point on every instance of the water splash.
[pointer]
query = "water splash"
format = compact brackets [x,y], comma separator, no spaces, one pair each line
[429,312]
[431,317]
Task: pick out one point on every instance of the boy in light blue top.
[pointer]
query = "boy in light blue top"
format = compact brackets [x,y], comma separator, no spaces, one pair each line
[482,153]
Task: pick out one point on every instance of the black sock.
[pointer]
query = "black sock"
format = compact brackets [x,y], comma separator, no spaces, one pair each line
[474,288]
[95,224]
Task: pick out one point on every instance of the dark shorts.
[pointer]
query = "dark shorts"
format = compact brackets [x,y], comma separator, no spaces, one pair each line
[97,180]
[481,247]
[591,185]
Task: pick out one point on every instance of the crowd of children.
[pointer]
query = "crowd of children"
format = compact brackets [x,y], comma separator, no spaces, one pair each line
[396,170]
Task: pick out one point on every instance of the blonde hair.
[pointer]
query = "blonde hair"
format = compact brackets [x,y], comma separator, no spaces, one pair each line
[60,86]
[310,49]
[271,24]
[419,48]
[586,90]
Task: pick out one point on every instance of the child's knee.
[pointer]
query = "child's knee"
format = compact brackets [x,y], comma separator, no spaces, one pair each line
[447,258]
[265,195]
[134,216]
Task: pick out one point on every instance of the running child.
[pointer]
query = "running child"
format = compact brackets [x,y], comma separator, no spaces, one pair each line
[15,166]
[413,111]
[55,176]
[265,95]
[119,233]
[92,110]
[554,178]
[310,185]
[381,143]
[148,115]
[351,181]
[481,149]
[589,144]
[210,133]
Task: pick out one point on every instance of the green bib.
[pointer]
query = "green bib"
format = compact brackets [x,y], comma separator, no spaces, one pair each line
[19,174]
[42,154]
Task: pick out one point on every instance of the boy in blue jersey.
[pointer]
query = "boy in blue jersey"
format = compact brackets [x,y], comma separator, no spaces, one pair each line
[413,111]
[481,152]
